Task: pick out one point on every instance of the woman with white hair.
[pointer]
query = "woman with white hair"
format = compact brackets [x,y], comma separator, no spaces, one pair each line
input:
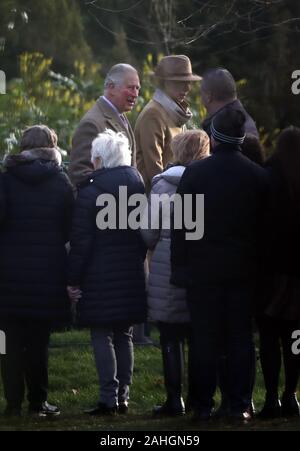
[106,268]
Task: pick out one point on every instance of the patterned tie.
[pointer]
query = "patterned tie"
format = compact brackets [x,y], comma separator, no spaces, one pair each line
[123,119]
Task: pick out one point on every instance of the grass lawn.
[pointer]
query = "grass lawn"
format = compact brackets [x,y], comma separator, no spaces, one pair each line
[74,387]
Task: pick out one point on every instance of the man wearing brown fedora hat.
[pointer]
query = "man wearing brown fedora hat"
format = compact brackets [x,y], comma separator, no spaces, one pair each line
[164,116]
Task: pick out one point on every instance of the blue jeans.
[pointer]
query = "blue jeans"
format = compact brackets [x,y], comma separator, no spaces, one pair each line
[215,309]
[113,351]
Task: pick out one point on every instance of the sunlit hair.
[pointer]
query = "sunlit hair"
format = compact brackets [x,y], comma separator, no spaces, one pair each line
[190,145]
[117,74]
[112,148]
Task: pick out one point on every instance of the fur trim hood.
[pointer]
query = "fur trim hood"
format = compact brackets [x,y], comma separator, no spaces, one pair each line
[34,166]
[44,153]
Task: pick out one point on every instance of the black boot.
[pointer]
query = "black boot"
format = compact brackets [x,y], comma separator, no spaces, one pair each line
[290,405]
[192,383]
[224,408]
[172,356]
[289,402]
[271,408]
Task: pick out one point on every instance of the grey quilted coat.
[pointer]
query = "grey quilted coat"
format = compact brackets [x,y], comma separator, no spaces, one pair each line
[166,302]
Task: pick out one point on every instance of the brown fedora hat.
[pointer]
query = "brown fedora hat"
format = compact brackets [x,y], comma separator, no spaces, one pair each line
[175,67]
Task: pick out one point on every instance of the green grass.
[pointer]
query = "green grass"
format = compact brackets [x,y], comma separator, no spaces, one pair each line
[74,387]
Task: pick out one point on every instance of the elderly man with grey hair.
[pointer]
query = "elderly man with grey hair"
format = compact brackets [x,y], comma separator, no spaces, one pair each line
[121,89]
[218,90]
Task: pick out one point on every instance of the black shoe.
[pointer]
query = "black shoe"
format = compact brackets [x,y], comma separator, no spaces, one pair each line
[251,409]
[123,407]
[201,415]
[169,410]
[189,405]
[222,412]
[271,409]
[244,417]
[102,409]
[44,410]
[12,412]
[290,405]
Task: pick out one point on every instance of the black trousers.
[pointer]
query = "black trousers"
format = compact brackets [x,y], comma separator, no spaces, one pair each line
[174,332]
[218,311]
[276,342]
[25,361]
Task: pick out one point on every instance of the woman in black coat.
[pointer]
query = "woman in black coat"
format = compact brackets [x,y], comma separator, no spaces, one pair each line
[39,199]
[106,268]
[279,312]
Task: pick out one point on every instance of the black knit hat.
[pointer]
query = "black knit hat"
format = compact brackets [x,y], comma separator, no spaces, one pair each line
[228,126]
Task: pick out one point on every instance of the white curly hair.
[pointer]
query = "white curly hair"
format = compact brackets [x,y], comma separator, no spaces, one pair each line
[112,148]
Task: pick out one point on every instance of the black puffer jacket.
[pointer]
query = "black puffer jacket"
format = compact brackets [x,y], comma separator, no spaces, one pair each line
[108,265]
[33,233]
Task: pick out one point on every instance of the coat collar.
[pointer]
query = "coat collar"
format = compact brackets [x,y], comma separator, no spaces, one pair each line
[107,110]
[111,115]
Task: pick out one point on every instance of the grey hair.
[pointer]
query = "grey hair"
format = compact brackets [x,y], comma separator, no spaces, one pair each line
[112,148]
[117,73]
[220,84]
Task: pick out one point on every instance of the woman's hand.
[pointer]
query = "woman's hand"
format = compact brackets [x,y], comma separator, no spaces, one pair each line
[74,293]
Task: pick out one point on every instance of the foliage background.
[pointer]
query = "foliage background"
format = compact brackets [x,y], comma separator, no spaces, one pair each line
[55,54]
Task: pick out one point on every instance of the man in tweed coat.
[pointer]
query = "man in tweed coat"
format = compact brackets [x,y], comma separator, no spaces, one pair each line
[121,89]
